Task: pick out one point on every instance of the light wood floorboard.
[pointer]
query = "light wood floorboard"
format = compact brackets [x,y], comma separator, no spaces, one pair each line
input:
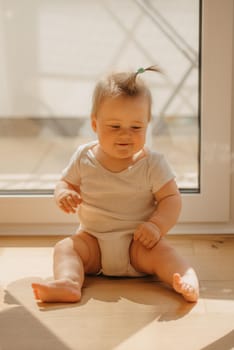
[117,313]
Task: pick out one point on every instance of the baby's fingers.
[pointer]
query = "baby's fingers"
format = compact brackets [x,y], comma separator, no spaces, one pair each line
[76,198]
[66,207]
[151,244]
[73,200]
[138,233]
[68,204]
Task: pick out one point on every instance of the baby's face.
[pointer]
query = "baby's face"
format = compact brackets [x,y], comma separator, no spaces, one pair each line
[121,125]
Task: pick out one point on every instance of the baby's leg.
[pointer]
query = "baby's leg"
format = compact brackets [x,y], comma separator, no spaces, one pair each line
[73,257]
[168,265]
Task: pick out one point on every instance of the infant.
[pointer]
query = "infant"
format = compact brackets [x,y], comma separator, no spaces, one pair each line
[126,198]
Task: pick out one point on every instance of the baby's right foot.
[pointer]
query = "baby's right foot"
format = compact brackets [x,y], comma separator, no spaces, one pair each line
[66,291]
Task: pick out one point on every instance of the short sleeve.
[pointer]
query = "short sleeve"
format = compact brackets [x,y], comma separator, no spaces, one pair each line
[160,171]
[71,173]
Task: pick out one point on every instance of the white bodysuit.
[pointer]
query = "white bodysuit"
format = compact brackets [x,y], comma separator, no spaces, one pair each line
[114,204]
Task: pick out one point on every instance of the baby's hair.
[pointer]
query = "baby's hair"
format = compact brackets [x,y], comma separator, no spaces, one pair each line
[122,84]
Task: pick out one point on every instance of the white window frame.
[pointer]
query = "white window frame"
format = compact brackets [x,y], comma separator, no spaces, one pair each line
[212,204]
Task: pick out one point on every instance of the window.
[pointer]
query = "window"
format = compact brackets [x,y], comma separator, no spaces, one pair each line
[48,86]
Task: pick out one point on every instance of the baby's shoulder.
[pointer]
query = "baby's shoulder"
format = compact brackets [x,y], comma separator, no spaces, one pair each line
[82,150]
[153,157]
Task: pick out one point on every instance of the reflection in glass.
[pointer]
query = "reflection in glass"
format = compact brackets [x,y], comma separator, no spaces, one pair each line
[52,53]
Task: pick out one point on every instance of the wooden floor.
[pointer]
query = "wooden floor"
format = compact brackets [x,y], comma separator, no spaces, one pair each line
[115,313]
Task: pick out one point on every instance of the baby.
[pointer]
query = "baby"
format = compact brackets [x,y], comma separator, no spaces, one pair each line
[126,197]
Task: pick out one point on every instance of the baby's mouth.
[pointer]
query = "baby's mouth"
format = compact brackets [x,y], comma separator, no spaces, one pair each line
[123,144]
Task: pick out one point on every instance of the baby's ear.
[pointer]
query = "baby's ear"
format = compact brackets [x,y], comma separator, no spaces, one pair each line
[94,122]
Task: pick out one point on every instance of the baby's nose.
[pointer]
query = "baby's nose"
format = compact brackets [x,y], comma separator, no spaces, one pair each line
[125,131]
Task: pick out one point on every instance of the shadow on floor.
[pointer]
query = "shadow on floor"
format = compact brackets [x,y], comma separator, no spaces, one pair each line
[127,305]
[224,343]
[21,330]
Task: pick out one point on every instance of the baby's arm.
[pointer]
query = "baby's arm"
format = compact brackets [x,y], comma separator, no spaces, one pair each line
[164,217]
[67,196]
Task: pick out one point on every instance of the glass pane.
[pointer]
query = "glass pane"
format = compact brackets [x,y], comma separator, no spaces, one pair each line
[51,54]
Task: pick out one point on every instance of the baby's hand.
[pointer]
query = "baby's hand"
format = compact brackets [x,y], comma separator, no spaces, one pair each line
[68,200]
[148,234]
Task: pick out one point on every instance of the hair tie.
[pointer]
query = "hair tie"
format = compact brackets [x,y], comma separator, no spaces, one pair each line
[140,70]
[151,68]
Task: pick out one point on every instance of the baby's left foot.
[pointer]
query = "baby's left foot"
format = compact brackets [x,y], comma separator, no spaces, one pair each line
[188,289]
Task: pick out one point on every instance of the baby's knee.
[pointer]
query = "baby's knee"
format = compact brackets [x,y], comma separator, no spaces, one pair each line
[163,246]
[62,246]
[87,248]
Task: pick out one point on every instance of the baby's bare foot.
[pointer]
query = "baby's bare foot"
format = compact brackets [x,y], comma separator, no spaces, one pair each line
[57,291]
[187,288]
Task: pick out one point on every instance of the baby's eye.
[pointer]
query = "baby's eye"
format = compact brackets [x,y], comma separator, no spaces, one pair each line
[136,127]
[115,126]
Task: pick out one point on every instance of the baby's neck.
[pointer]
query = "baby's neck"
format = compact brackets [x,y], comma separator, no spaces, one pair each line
[116,165]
